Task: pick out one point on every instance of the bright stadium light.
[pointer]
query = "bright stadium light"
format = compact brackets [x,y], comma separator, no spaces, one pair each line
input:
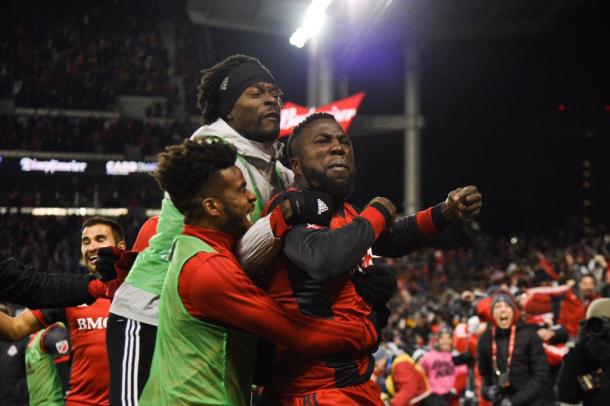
[314,20]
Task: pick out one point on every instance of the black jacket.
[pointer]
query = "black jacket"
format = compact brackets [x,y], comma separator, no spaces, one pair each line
[23,285]
[13,387]
[576,363]
[529,371]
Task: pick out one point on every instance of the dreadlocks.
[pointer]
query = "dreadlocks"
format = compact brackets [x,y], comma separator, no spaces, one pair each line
[207,92]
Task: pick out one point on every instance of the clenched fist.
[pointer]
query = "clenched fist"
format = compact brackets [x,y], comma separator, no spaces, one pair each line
[462,203]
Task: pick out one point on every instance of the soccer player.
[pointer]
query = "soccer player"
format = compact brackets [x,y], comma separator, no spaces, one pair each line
[240,103]
[47,366]
[211,312]
[320,270]
[86,323]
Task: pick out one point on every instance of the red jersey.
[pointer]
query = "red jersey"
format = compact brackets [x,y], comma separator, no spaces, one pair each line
[314,277]
[337,299]
[90,374]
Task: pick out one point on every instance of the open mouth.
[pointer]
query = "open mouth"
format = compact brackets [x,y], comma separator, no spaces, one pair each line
[273,115]
[93,259]
[341,164]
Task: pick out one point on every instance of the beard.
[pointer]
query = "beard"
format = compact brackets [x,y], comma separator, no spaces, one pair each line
[236,223]
[260,134]
[340,191]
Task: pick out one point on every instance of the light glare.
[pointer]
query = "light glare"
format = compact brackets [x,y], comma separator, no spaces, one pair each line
[312,24]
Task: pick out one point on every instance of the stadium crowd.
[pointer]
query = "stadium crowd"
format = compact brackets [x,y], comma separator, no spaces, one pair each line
[86,58]
[89,135]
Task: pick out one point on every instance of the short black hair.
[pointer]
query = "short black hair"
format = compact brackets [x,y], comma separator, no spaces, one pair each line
[301,126]
[186,171]
[117,230]
[209,86]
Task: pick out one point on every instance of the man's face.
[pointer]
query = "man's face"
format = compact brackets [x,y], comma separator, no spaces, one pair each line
[445,342]
[586,285]
[256,114]
[325,158]
[93,238]
[237,202]
[503,314]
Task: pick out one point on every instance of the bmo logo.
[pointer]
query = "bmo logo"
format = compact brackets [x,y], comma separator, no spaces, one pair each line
[89,323]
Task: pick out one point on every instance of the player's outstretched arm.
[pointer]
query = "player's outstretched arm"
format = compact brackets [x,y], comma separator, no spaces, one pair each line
[15,328]
[214,286]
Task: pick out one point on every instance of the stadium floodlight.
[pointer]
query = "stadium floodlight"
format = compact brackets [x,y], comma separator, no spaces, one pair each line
[314,20]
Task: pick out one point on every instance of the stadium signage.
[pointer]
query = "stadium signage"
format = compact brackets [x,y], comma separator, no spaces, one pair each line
[51,166]
[344,111]
[128,167]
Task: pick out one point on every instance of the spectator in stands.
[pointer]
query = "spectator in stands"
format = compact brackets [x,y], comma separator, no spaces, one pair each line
[401,379]
[441,371]
[510,358]
[568,302]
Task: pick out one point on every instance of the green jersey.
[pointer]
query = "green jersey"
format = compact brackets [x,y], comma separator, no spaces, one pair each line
[196,363]
[44,384]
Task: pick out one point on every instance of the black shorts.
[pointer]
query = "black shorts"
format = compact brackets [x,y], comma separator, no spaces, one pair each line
[130,345]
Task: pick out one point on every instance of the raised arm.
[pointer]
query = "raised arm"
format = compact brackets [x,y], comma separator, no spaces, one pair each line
[325,254]
[16,328]
[25,286]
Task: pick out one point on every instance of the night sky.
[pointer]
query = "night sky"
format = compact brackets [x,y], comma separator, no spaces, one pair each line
[492,114]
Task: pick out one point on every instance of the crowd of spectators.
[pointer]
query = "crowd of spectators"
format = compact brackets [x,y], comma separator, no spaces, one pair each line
[431,281]
[90,53]
[141,193]
[441,290]
[188,62]
[90,135]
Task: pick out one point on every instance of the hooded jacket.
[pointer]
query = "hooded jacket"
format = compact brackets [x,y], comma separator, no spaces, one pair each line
[138,296]
[258,161]
[529,371]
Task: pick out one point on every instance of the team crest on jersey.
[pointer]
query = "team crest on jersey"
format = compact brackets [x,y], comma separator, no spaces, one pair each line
[62,346]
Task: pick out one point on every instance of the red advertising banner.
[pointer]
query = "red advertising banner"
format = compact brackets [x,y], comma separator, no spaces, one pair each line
[344,111]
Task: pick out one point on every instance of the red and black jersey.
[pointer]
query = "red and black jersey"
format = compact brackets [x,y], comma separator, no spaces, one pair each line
[90,374]
[313,276]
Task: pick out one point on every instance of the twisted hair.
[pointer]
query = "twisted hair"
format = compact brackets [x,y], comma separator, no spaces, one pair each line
[188,172]
[207,92]
[301,126]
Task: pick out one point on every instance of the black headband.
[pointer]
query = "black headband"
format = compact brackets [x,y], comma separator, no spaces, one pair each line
[238,80]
